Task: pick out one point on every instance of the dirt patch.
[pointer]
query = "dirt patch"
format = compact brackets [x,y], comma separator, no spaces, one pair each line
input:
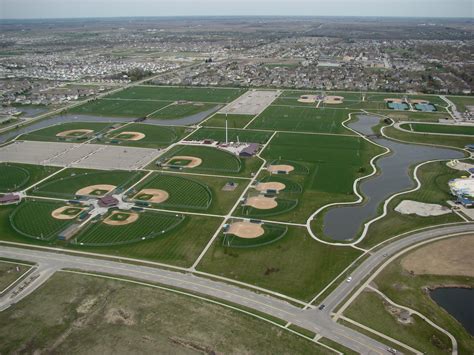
[421,209]
[396,101]
[96,190]
[278,168]
[458,165]
[75,133]
[152,195]
[333,100]
[130,136]
[265,186]
[67,212]
[119,316]
[308,99]
[193,161]
[246,230]
[86,305]
[453,257]
[119,218]
[261,202]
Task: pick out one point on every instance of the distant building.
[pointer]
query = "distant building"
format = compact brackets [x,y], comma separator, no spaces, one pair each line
[250,150]
[9,199]
[108,201]
[463,189]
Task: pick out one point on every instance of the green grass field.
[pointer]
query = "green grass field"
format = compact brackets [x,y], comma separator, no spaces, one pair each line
[119,108]
[48,134]
[435,128]
[155,136]
[273,233]
[68,182]
[181,110]
[296,265]
[184,192]
[285,118]
[33,219]
[10,272]
[149,225]
[233,121]
[179,93]
[235,135]
[414,116]
[462,102]
[16,177]
[213,160]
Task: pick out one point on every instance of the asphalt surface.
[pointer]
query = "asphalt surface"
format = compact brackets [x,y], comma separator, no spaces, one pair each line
[312,319]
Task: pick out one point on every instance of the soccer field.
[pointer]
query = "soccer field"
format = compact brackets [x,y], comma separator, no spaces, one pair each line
[436,128]
[235,135]
[178,110]
[233,121]
[120,108]
[14,177]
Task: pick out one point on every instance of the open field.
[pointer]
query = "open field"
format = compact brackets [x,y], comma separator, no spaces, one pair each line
[235,135]
[219,95]
[434,178]
[435,128]
[179,110]
[68,182]
[155,136]
[10,272]
[412,294]
[414,116]
[295,265]
[462,102]
[120,108]
[50,134]
[88,314]
[301,119]
[370,309]
[233,121]
[16,177]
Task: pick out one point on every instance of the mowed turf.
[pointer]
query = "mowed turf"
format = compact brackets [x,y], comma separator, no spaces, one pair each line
[295,265]
[155,135]
[220,95]
[213,159]
[462,102]
[49,134]
[184,192]
[234,135]
[69,181]
[233,121]
[119,108]
[178,110]
[435,128]
[33,219]
[148,226]
[14,177]
[302,119]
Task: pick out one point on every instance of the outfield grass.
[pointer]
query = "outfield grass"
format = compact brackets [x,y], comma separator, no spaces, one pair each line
[149,225]
[9,273]
[33,219]
[434,179]
[302,119]
[295,265]
[435,128]
[68,182]
[462,102]
[234,135]
[155,136]
[181,110]
[413,295]
[119,108]
[219,95]
[48,134]
[370,309]
[414,116]
[15,176]
[233,121]
[116,313]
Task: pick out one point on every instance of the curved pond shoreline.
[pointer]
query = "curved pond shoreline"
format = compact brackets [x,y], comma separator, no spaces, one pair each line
[188,120]
[393,177]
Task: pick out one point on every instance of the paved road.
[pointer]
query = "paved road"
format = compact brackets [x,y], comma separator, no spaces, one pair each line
[312,319]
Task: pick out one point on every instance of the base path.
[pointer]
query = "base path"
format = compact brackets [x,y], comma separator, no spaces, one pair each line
[75,133]
[265,186]
[59,212]
[131,218]
[87,191]
[157,195]
[261,202]
[129,136]
[280,168]
[246,230]
[194,161]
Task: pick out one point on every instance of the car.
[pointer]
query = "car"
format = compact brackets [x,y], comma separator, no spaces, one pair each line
[321,307]
[385,255]
[349,279]
[392,350]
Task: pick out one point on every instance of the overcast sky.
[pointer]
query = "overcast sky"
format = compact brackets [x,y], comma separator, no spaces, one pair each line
[112,8]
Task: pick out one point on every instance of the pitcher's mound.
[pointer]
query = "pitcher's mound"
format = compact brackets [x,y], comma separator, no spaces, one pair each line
[152,195]
[261,202]
[96,190]
[119,218]
[67,212]
[184,161]
[75,133]
[333,100]
[280,169]
[130,136]
[246,230]
[274,186]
